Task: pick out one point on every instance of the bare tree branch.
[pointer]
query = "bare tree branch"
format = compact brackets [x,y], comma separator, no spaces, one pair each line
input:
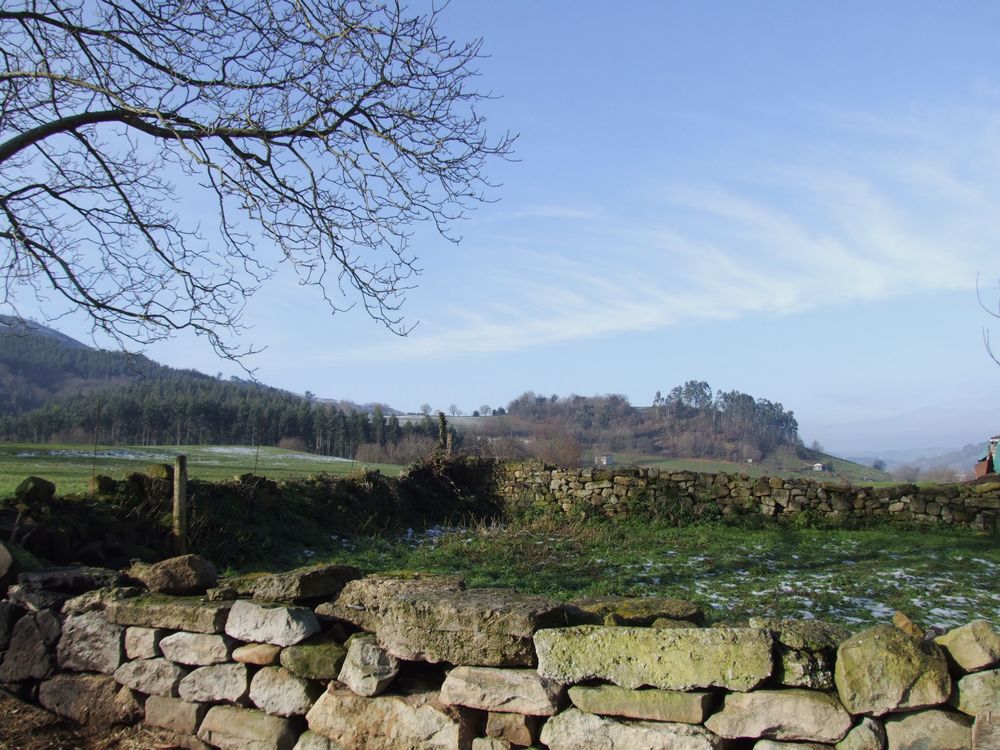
[322,132]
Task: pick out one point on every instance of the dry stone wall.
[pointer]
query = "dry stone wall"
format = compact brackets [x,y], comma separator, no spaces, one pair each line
[419,661]
[533,488]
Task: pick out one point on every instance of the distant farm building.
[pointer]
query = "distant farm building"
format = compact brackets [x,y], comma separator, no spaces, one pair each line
[817,467]
[605,460]
[988,463]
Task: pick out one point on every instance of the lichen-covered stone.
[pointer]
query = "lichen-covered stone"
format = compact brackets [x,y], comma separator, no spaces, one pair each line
[317,658]
[793,714]
[170,612]
[882,669]
[98,600]
[869,734]
[940,730]
[231,728]
[978,693]
[807,650]
[310,740]
[637,611]
[196,649]
[390,722]
[90,643]
[368,669]
[479,627]
[972,647]
[520,691]
[363,602]
[271,623]
[573,729]
[312,582]
[151,676]
[648,704]
[683,659]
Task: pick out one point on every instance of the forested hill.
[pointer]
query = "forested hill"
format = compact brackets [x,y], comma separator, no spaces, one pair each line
[39,365]
[53,388]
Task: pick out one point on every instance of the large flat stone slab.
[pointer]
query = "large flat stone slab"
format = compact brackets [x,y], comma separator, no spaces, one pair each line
[302,584]
[794,714]
[649,704]
[882,669]
[170,612]
[573,729]
[520,691]
[674,659]
[390,722]
[638,611]
[364,601]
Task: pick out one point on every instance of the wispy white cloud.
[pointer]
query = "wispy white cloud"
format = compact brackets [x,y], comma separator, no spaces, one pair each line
[910,207]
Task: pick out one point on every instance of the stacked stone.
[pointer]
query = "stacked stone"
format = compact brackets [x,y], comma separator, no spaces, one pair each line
[422,662]
[531,486]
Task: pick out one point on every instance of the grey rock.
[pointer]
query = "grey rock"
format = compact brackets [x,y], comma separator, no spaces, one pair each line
[215,683]
[171,613]
[690,707]
[363,602]
[75,579]
[143,643]
[10,613]
[978,693]
[416,721]
[231,728]
[792,714]
[196,649]
[310,740]
[90,643]
[572,729]
[517,729]
[929,730]
[30,651]
[302,584]
[151,676]
[868,735]
[520,691]
[972,647]
[174,714]
[277,624]
[99,599]
[183,575]
[277,691]
[368,668]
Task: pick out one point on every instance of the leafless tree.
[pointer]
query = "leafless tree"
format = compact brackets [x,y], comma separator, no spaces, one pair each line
[986,331]
[318,131]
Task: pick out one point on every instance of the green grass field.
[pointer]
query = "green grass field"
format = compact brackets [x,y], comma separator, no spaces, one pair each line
[71,466]
[850,577]
[782,463]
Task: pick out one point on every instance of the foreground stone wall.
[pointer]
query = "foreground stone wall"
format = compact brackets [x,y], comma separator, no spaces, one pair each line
[535,488]
[322,659]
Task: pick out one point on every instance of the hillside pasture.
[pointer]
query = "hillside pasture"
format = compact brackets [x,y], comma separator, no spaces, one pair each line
[70,467]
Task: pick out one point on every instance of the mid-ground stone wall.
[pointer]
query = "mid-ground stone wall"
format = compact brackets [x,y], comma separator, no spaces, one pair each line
[322,659]
[531,487]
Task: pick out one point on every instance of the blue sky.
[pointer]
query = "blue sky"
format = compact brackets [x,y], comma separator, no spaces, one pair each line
[791,199]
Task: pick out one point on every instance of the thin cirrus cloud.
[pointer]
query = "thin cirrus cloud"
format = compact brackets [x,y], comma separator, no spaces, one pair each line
[865,222]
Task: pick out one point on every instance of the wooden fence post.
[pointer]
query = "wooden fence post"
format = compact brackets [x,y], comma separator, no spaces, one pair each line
[180,505]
